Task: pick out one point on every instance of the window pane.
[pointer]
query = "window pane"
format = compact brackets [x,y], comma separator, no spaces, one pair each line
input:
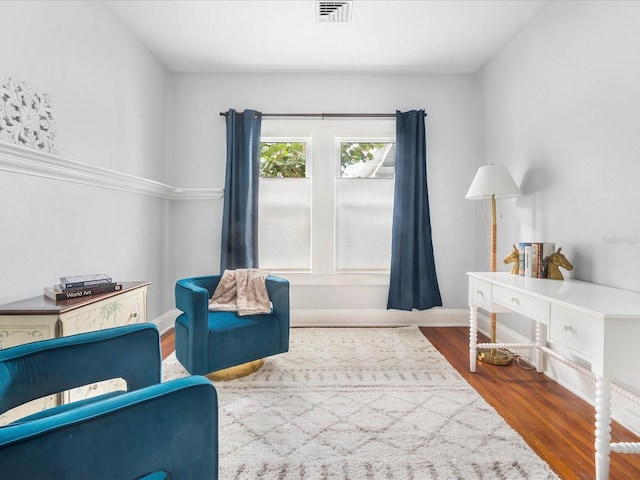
[364,214]
[283,159]
[285,223]
[367,159]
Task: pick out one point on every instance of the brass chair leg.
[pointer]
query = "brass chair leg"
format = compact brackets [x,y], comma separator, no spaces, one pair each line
[237,371]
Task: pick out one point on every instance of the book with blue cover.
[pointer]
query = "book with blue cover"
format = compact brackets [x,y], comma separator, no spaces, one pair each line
[91,280]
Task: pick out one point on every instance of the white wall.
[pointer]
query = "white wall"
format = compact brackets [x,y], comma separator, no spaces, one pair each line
[109,94]
[559,106]
[199,162]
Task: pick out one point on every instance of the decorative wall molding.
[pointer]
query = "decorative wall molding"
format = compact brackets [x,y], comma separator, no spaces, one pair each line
[197,194]
[26,116]
[26,161]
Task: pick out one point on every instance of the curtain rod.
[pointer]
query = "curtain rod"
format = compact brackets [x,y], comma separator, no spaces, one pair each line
[327,115]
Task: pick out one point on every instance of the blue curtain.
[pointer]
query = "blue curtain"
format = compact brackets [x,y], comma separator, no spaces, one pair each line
[413,282]
[239,247]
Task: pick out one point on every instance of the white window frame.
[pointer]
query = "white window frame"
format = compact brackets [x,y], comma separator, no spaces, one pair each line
[323,148]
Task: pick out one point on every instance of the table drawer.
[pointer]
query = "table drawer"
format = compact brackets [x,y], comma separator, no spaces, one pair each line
[480,293]
[527,305]
[573,329]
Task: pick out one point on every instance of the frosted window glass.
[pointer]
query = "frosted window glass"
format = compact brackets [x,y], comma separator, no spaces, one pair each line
[364,213]
[284,227]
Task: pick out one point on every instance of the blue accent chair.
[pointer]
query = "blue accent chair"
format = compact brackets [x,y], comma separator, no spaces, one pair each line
[210,341]
[154,430]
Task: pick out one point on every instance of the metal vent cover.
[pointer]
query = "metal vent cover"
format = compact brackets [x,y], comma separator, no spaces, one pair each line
[333,11]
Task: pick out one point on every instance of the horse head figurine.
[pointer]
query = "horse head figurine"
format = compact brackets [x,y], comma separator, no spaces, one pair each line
[556,260]
[513,257]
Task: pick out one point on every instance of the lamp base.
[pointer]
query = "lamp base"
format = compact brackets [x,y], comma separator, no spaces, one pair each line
[494,357]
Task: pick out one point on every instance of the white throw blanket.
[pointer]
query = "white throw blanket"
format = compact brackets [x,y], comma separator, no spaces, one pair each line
[243,290]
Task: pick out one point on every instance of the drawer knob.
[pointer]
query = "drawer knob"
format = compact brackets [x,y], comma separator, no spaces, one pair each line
[133,315]
[515,300]
[566,327]
[480,293]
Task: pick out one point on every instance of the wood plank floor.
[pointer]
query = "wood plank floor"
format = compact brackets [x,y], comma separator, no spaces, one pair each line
[555,423]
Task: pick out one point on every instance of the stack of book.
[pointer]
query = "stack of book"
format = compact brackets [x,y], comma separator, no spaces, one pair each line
[82,286]
[534,257]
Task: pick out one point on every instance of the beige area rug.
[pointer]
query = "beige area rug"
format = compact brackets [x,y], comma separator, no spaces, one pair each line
[363,404]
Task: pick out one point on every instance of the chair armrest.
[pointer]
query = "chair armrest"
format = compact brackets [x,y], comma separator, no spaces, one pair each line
[38,369]
[278,290]
[170,427]
[192,297]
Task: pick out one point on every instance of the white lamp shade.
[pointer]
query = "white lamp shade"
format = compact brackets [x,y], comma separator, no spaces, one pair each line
[492,180]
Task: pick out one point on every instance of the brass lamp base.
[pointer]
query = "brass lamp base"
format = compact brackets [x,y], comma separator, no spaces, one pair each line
[494,357]
[238,371]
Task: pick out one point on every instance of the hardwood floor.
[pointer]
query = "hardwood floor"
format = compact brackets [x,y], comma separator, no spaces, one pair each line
[555,423]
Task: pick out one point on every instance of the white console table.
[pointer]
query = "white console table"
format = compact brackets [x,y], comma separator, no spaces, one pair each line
[598,324]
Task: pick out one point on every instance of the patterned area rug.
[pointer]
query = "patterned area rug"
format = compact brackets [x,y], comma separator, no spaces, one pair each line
[363,403]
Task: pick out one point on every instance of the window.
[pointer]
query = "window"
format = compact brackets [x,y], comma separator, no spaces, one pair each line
[333,214]
[284,204]
[367,160]
[364,205]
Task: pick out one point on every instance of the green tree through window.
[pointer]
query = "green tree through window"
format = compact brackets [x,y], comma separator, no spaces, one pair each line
[283,159]
[352,153]
[367,160]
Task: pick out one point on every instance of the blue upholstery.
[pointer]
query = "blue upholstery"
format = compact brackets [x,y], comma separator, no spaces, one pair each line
[210,341]
[154,430]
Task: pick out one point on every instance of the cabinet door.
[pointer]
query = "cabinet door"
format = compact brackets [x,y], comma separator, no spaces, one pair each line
[17,330]
[125,309]
[20,329]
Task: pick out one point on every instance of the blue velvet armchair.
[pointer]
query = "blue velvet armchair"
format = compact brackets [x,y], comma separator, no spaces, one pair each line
[210,341]
[154,430]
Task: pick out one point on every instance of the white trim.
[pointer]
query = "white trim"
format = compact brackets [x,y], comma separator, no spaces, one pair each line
[27,161]
[434,317]
[165,322]
[197,194]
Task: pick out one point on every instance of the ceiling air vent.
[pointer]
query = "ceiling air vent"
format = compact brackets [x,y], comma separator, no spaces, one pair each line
[336,12]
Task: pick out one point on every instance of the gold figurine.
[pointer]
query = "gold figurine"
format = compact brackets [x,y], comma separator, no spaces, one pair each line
[556,260]
[513,257]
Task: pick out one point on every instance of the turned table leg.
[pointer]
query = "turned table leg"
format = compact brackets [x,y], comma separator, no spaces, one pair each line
[539,345]
[473,338]
[603,428]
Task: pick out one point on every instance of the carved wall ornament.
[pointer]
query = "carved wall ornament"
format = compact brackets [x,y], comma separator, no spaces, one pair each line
[26,116]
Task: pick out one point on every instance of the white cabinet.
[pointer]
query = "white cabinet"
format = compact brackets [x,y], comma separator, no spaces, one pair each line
[40,318]
[599,324]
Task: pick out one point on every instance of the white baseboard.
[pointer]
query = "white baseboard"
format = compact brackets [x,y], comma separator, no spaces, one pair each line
[165,321]
[434,317]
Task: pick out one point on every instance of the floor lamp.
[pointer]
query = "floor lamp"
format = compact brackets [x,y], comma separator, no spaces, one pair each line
[493,182]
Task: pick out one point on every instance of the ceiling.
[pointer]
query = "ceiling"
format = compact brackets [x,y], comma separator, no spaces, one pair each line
[403,36]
